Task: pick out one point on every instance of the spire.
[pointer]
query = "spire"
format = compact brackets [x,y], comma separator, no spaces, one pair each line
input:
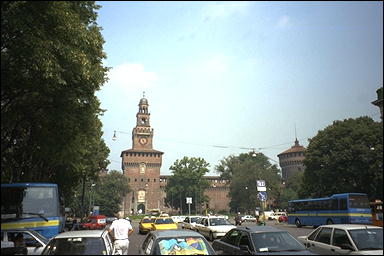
[296,141]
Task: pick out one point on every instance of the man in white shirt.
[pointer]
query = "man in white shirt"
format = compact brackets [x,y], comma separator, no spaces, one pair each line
[120,229]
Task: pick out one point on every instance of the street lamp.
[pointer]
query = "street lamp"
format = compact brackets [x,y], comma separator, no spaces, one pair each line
[90,197]
[114,134]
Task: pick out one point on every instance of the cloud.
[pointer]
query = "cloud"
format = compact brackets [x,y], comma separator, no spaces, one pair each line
[220,10]
[131,76]
[284,22]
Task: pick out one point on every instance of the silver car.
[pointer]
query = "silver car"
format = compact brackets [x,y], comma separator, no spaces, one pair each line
[82,242]
[351,239]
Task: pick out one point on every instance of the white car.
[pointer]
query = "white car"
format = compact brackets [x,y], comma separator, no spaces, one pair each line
[34,242]
[248,218]
[268,213]
[213,227]
[347,239]
[82,242]
[190,222]
[276,215]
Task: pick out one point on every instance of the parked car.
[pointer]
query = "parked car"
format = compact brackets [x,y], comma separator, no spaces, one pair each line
[177,219]
[32,241]
[175,242]
[258,240]
[95,222]
[82,242]
[190,222]
[163,223]
[283,218]
[145,224]
[345,239]
[268,213]
[213,227]
[246,218]
[276,215]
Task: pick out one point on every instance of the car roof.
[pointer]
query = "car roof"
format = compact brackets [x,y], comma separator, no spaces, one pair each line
[81,233]
[260,229]
[175,233]
[351,226]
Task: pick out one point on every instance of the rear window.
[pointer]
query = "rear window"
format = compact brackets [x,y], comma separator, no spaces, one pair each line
[182,246]
[76,246]
[164,221]
[148,220]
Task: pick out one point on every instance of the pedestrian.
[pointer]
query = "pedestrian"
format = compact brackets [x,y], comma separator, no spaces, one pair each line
[238,219]
[261,219]
[120,230]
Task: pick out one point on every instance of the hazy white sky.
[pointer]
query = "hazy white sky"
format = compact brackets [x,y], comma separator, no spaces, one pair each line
[237,74]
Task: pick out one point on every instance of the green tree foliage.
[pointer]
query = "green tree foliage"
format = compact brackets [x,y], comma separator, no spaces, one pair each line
[187,181]
[243,171]
[108,194]
[51,67]
[346,156]
[286,195]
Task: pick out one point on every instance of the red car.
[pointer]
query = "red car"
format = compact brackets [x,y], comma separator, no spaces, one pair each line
[283,218]
[95,222]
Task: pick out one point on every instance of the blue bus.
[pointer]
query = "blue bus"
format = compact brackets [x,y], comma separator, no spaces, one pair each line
[345,208]
[34,206]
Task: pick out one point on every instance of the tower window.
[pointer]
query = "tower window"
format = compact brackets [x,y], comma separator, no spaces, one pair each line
[142,180]
[148,180]
[135,180]
[154,180]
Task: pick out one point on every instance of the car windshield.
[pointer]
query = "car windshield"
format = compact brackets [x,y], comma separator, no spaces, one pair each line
[368,239]
[76,246]
[148,220]
[275,242]
[164,221]
[182,246]
[219,221]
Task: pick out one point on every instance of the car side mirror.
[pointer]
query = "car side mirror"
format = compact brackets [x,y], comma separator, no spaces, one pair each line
[346,247]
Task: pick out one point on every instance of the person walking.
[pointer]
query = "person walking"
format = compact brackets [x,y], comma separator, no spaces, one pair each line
[262,219]
[120,230]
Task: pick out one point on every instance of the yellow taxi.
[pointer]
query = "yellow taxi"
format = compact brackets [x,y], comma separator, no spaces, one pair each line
[145,224]
[163,223]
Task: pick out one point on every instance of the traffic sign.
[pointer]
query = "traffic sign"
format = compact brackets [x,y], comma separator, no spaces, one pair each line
[260,183]
[262,196]
[189,200]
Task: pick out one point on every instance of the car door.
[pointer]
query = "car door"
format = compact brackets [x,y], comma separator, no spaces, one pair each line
[322,243]
[205,227]
[340,242]
[243,241]
[228,245]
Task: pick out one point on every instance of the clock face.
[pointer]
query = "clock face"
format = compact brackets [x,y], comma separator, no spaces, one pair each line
[143,141]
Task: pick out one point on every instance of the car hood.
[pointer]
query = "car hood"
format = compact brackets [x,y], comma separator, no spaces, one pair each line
[303,252]
[371,252]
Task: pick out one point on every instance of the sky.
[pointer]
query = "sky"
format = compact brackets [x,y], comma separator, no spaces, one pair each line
[223,78]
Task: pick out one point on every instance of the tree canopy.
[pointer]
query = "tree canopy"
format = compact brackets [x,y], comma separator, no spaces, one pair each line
[243,171]
[187,181]
[51,67]
[346,156]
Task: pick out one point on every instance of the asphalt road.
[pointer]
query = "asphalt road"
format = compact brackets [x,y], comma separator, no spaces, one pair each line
[136,239]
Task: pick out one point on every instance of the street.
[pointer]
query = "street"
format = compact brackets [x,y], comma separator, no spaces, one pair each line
[136,239]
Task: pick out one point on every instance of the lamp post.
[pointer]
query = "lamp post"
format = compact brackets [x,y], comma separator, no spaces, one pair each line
[90,197]
[114,134]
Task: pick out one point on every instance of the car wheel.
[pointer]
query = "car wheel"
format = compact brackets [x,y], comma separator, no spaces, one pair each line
[211,236]
[329,222]
[298,223]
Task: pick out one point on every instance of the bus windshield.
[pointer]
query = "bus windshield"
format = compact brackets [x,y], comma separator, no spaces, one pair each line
[358,201]
[28,202]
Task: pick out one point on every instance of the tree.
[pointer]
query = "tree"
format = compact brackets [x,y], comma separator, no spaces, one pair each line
[107,193]
[51,67]
[346,156]
[187,181]
[243,171]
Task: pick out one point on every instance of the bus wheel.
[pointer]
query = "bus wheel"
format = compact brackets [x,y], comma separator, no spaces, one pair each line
[329,222]
[298,223]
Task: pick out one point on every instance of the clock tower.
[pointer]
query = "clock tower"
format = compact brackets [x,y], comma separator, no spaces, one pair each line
[141,165]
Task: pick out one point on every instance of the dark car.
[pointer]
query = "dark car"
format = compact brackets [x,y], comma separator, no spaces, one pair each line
[175,242]
[258,240]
